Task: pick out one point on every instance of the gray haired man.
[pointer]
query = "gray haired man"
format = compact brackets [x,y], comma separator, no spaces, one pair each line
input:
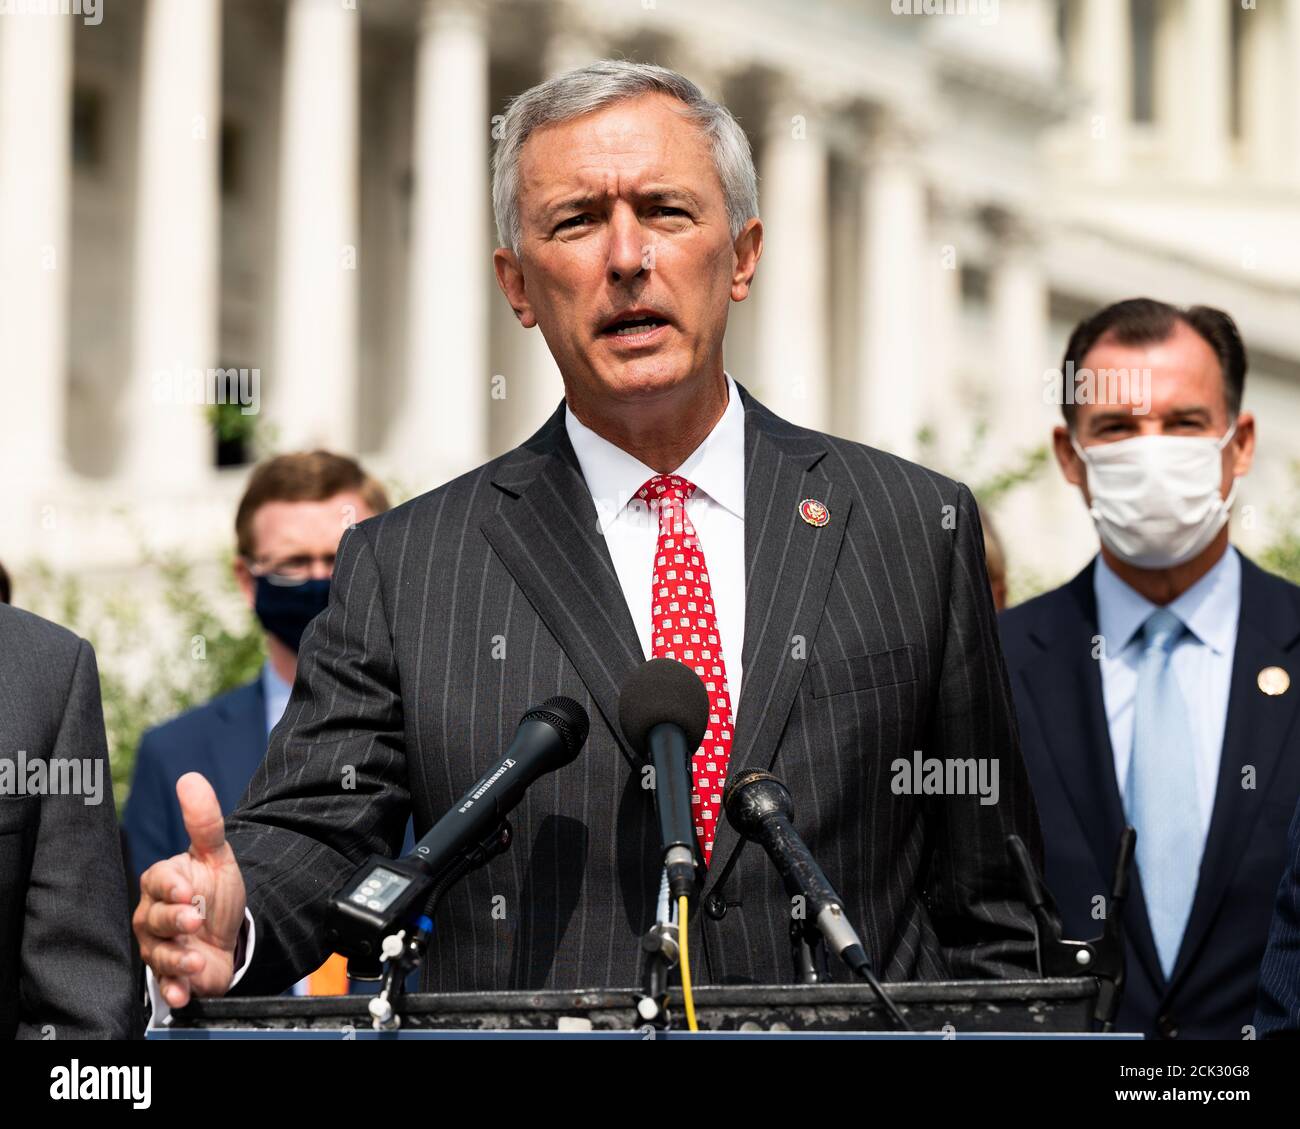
[837,619]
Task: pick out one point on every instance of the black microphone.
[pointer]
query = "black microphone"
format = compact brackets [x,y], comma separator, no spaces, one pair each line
[663,708]
[759,807]
[549,737]
[386,893]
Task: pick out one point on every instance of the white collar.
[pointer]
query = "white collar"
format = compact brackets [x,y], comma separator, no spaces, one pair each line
[716,466]
[1209,608]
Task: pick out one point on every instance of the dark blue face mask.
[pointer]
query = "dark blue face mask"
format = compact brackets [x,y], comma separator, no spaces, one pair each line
[286,609]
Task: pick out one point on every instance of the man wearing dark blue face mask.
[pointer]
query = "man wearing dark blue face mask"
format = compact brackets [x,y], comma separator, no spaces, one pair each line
[288,525]
[286,605]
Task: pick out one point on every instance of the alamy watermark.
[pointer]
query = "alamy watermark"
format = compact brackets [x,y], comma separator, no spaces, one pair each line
[53,776]
[91,11]
[242,386]
[985,10]
[950,776]
[76,1082]
[1125,387]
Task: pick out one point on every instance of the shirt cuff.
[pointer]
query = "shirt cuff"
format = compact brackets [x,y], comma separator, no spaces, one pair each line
[160,1010]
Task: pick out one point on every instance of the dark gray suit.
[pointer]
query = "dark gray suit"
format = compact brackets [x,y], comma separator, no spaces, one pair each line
[65,948]
[865,639]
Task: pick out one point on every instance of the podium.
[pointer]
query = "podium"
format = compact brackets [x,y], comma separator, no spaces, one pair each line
[945,1009]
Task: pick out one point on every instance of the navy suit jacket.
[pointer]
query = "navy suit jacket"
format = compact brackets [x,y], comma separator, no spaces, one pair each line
[1278,1012]
[224,739]
[1049,645]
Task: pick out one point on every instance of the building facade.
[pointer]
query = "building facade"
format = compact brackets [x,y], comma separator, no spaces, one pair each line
[288,201]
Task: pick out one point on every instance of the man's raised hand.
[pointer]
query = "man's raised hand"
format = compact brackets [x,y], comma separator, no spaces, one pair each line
[192,905]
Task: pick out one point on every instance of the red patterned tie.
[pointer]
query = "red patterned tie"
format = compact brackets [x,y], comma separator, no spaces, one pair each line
[684,626]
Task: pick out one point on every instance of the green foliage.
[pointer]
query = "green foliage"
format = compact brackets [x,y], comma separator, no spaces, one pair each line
[1025,468]
[1282,554]
[230,421]
[158,656]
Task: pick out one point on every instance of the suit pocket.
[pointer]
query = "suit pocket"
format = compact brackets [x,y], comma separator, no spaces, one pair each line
[862,672]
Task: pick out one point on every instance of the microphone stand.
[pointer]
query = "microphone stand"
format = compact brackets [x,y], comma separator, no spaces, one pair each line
[404,950]
[660,944]
[808,951]
[1103,956]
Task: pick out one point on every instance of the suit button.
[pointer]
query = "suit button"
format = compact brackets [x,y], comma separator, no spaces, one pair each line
[715,907]
[1167,1026]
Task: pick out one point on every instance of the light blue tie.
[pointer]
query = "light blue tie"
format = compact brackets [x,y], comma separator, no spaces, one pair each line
[1161,798]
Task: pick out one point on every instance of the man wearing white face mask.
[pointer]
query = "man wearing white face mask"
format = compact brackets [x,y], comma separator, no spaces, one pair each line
[1154,689]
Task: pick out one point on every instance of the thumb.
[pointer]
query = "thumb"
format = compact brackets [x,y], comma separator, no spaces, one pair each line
[202,814]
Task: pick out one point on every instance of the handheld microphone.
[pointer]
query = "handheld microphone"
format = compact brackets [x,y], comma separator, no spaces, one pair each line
[759,807]
[663,708]
[384,893]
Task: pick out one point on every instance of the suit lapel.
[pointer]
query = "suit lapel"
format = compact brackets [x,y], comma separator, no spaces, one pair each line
[1065,683]
[1254,735]
[546,534]
[788,568]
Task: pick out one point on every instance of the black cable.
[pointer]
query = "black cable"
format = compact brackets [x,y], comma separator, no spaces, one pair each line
[864,970]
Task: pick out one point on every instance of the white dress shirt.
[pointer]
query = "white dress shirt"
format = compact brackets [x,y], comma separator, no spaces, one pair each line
[1202,664]
[716,509]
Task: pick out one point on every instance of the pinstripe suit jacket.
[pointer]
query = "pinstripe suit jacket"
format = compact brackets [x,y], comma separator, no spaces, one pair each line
[450,616]
[1277,1013]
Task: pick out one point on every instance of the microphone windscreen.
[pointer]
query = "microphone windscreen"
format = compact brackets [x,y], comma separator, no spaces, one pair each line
[568,718]
[663,690]
[753,795]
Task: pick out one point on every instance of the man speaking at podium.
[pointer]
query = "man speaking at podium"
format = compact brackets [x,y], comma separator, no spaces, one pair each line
[843,616]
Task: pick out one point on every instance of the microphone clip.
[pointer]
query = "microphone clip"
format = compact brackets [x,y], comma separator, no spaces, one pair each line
[1101,957]
[403,951]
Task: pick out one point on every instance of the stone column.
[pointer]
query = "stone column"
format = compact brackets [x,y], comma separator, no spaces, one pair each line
[944,411]
[893,225]
[1264,92]
[1103,66]
[1205,86]
[313,386]
[168,439]
[1018,307]
[1288,92]
[445,406]
[35,112]
[790,287]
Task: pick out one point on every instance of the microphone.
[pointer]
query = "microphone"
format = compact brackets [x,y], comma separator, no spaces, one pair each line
[759,807]
[549,737]
[663,708]
[384,894]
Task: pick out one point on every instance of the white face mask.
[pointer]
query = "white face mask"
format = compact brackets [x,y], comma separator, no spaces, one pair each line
[1155,498]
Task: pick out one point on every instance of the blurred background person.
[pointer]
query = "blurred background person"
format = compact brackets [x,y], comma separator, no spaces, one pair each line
[1154,688]
[65,950]
[995,558]
[287,530]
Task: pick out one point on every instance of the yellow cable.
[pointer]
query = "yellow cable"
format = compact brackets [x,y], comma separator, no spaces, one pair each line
[683,925]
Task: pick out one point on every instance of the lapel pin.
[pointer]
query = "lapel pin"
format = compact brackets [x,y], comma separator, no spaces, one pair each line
[1273,681]
[814,512]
